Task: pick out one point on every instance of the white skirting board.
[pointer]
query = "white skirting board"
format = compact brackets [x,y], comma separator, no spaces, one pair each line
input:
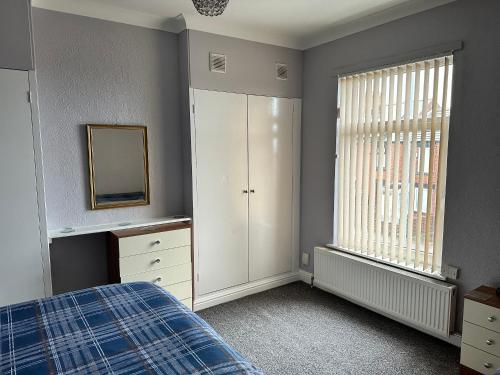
[240,291]
[305,276]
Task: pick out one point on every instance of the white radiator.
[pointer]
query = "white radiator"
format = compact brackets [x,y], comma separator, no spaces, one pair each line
[418,301]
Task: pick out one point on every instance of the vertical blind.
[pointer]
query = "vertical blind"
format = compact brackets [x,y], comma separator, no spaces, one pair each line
[392,135]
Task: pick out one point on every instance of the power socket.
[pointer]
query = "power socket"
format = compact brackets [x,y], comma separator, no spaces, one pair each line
[450,272]
[305,259]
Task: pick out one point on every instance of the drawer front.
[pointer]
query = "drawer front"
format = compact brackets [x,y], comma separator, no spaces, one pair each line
[188,302]
[162,277]
[180,291]
[481,338]
[154,260]
[478,360]
[482,315]
[155,241]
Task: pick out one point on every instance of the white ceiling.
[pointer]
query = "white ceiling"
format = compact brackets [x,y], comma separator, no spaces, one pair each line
[292,23]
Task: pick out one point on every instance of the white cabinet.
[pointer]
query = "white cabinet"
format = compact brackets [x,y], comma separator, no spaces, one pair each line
[246,178]
[221,221]
[480,351]
[160,254]
[21,274]
[270,161]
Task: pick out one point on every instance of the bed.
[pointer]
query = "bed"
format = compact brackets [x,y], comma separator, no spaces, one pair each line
[135,328]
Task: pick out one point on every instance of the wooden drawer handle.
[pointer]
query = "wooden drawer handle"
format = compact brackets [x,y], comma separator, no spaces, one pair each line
[157,280]
[157,260]
[487,365]
[490,342]
[491,319]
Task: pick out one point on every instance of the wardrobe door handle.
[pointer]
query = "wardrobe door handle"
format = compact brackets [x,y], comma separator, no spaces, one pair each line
[245,191]
[252,190]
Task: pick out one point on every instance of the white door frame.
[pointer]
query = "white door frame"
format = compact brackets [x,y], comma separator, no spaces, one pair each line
[40,188]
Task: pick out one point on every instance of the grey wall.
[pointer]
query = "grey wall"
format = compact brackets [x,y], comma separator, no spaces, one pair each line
[15,35]
[94,71]
[250,66]
[185,120]
[472,218]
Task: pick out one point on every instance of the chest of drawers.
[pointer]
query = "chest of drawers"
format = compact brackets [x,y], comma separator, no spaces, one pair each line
[160,254]
[480,353]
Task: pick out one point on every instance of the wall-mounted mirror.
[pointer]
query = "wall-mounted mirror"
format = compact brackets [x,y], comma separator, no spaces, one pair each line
[118,166]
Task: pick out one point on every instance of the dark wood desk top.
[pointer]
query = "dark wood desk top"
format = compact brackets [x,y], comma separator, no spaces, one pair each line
[151,229]
[484,294]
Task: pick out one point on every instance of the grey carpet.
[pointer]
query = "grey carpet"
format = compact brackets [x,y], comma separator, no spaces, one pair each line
[298,330]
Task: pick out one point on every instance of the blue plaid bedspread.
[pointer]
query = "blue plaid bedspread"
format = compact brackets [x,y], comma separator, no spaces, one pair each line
[135,328]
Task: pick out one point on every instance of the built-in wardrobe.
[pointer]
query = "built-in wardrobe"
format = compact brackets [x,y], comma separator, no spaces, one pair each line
[23,248]
[246,182]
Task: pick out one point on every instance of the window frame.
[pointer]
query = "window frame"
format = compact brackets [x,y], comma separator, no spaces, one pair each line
[435,275]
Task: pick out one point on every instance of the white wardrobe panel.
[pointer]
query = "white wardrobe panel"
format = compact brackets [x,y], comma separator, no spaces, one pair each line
[21,275]
[221,212]
[297,137]
[270,154]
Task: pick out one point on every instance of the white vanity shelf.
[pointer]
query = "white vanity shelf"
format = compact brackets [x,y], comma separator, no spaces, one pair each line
[101,228]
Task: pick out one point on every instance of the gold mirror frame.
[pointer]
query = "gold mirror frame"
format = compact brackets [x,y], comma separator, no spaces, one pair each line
[93,201]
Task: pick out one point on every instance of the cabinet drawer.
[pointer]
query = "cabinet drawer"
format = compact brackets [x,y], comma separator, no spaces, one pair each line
[481,338]
[154,260]
[188,302]
[478,360]
[181,290]
[483,315]
[162,277]
[154,241]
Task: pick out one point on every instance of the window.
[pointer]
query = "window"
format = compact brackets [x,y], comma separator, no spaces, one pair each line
[392,141]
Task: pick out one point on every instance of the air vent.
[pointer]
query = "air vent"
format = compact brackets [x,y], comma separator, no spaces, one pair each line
[217,63]
[282,71]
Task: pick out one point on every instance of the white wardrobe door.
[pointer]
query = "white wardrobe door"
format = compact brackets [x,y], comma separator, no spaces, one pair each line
[21,275]
[221,212]
[270,147]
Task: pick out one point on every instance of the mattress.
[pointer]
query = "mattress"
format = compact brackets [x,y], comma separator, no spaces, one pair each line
[135,328]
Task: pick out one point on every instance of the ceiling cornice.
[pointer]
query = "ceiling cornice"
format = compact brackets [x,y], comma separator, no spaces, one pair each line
[235,30]
[95,9]
[367,22]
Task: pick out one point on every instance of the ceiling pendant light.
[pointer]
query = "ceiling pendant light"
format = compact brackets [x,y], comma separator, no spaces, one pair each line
[210,7]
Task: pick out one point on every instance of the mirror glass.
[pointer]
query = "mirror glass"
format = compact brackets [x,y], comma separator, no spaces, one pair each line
[118,165]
